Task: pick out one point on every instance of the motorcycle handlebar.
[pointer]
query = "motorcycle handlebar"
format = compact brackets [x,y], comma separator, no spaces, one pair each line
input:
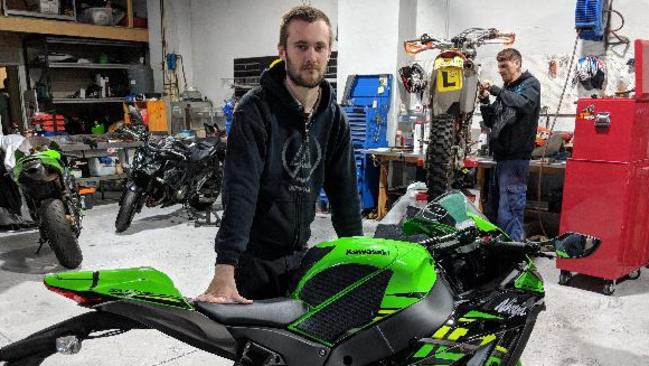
[525,247]
[485,36]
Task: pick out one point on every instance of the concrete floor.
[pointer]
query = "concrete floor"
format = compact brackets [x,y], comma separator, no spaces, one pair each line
[580,327]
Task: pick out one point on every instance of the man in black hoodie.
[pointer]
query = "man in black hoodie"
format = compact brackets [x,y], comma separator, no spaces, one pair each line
[513,119]
[288,139]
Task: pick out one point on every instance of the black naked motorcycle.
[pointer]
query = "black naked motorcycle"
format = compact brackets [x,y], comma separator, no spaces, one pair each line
[169,172]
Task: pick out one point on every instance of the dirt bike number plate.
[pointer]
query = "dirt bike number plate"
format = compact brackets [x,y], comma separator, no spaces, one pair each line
[449,79]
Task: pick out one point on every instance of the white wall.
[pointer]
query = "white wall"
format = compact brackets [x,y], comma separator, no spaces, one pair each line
[543,29]
[368,36]
[179,36]
[210,34]
[228,29]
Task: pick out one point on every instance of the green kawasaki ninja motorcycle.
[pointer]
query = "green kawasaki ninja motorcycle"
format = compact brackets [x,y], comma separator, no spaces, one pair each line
[463,294]
[53,200]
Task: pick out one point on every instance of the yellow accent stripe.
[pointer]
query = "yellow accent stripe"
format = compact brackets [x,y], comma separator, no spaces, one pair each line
[488,339]
[387,312]
[377,318]
[501,349]
[467,320]
[441,332]
[457,334]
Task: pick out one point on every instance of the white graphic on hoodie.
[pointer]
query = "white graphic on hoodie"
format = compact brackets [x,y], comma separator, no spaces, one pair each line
[305,161]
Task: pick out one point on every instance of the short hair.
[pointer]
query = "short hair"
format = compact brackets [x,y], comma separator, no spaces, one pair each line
[509,54]
[306,13]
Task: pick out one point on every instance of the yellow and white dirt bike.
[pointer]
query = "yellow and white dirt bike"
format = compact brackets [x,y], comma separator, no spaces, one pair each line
[452,89]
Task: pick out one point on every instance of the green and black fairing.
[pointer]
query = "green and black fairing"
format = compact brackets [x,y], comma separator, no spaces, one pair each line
[359,281]
[453,299]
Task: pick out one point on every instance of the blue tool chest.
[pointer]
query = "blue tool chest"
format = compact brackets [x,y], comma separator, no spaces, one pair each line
[366,102]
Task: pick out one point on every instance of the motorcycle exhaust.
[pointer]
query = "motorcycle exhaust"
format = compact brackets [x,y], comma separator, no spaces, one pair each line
[68,345]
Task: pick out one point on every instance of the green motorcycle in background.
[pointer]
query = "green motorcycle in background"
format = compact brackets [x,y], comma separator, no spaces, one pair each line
[460,292]
[53,200]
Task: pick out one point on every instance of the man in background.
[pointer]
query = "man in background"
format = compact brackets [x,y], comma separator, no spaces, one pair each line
[513,119]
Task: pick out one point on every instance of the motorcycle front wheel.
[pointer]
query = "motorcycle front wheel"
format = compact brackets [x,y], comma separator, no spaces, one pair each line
[127,208]
[59,233]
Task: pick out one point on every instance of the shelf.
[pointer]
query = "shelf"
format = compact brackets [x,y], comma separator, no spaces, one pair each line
[39,15]
[86,100]
[68,147]
[72,29]
[90,66]
[98,179]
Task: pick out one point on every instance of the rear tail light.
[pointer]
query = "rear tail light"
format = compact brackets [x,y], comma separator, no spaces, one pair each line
[83,299]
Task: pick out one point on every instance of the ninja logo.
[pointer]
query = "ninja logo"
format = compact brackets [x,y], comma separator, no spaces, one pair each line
[367,251]
[511,307]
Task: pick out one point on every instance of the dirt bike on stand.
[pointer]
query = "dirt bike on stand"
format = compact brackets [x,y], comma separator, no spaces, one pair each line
[453,89]
[459,293]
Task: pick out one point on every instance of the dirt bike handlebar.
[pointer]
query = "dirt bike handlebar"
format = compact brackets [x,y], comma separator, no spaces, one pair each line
[469,38]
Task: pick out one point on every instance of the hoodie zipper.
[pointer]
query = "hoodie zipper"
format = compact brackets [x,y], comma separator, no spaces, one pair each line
[306,139]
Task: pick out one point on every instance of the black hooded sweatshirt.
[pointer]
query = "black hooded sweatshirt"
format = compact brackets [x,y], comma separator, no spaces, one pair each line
[277,161]
[513,118]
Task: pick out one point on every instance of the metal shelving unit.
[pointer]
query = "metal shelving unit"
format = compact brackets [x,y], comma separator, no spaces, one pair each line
[91,66]
[86,100]
[70,7]
[38,52]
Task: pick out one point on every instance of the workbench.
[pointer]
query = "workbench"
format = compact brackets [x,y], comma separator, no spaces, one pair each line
[104,148]
[385,155]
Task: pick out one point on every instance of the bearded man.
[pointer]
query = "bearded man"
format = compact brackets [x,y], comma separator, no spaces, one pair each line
[289,138]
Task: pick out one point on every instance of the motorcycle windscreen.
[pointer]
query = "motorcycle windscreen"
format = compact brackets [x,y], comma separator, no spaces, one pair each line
[446,214]
[464,213]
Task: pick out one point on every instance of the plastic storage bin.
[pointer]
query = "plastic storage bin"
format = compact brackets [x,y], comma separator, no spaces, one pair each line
[102,166]
[98,16]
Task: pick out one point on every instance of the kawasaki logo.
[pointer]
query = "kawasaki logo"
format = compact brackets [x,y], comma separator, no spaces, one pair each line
[367,251]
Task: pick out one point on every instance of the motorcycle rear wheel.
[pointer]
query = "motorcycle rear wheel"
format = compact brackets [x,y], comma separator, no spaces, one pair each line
[127,208]
[60,233]
[439,165]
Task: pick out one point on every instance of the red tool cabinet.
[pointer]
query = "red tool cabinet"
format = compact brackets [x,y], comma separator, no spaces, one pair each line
[606,188]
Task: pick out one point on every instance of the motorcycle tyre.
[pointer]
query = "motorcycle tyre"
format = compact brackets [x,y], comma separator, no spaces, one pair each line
[60,234]
[439,170]
[127,209]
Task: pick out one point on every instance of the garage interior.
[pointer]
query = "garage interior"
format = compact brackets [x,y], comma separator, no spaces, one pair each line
[96,88]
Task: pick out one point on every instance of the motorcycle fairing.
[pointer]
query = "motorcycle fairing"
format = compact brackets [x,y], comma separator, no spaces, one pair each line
[49,158]
[143,284]
[355,282]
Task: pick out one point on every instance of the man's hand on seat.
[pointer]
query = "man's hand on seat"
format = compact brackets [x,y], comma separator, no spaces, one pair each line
[223,289]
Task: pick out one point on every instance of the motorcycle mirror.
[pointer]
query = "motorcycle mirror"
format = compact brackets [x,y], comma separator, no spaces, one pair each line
[575,245]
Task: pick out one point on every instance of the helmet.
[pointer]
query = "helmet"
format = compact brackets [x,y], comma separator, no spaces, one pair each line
[413,78]
[590,72]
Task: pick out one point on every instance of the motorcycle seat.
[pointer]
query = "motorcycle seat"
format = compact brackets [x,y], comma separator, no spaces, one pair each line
[278,312]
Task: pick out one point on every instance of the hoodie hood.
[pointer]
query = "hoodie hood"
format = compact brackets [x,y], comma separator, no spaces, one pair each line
[525,75]
[272,80]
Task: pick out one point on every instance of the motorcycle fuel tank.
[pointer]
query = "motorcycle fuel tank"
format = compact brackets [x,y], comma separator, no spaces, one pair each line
[352,282]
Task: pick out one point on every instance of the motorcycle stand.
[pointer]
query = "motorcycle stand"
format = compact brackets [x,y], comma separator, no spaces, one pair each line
[205,218]
[41,241]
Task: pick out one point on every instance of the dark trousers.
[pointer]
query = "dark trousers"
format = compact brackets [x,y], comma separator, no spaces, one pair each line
[261,278]
[507,196]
